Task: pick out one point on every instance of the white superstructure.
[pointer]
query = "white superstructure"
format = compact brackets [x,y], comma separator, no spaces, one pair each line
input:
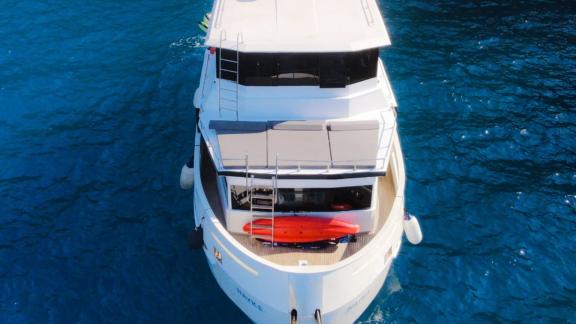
[298,25]
[296,117]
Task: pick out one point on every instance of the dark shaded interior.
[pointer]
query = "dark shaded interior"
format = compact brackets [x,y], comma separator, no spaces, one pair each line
[308,199]
[328,70]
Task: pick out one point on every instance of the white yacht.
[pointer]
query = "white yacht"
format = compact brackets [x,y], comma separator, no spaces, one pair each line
[299,174]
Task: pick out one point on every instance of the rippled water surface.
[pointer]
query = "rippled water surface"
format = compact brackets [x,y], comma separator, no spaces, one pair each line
[96,119]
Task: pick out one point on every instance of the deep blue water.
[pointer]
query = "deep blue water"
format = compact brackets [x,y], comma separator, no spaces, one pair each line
[96,119]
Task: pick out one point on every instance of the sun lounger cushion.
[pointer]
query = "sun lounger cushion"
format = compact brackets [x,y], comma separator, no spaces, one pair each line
[236,139]
[303,143]
[354,143]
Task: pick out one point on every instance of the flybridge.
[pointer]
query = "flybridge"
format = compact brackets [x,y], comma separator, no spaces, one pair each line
[296,26]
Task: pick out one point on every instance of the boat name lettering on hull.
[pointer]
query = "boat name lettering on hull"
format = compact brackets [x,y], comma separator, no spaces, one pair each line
[249,300]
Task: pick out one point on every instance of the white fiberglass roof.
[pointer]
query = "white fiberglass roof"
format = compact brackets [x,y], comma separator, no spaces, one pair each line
[297,25]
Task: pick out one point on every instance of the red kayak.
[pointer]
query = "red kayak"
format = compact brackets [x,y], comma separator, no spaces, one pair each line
[301,229]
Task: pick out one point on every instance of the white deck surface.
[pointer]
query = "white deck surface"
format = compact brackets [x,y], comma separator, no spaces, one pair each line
[291,256]
[297,25]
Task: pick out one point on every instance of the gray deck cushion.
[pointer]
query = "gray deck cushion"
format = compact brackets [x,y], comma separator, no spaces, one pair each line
[354,143]
[300,125]
[304,143]
[241,126]
[236,139]
[353,125]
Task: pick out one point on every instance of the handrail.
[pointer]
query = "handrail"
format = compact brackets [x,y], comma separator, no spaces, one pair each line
[390,142]
[274,199]
[301,164]
[246,160]
[238,36]
[388,85]
[222,35]
[204,75]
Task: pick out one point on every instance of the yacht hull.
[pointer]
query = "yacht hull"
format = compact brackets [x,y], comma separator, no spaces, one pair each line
[267,311]
[267,292]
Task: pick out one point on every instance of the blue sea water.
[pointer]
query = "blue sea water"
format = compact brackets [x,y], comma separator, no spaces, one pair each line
[96,119]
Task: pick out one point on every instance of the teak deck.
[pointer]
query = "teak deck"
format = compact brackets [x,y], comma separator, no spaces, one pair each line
[329,254]
[293,256]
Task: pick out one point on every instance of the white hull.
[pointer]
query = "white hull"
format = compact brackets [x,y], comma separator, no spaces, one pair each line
[267,292]
[347,313]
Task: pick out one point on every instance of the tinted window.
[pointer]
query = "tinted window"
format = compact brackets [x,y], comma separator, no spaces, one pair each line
[362,65]
[333,70]
[297,69]
[330,70]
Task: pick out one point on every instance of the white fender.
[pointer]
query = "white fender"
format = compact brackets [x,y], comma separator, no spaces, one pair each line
[412,229]
[186,177]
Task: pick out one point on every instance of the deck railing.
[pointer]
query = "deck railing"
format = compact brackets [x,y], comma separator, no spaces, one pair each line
[289,164]
[302,164]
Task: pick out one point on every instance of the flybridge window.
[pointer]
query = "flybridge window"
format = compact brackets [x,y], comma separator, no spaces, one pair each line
[328,70]
[305,200]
